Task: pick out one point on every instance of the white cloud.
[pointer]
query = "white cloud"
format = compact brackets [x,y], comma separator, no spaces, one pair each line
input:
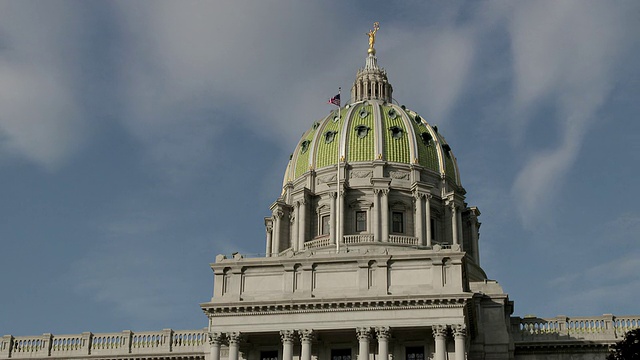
[564,54]
[40,118]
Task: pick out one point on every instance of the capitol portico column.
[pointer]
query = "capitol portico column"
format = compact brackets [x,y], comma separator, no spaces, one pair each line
[234,345]
[215,340]
[440,337]
[385,214]
[427,215]
[306,336]
[376,215]
[287,344]
[459,335]
[383,342]
[364,333]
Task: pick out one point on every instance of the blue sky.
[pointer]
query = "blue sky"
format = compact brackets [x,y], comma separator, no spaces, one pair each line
[140,139]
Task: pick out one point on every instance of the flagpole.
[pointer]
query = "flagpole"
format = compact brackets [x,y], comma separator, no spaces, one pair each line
[338,196]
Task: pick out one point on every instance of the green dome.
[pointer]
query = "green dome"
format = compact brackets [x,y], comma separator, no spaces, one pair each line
[373,130]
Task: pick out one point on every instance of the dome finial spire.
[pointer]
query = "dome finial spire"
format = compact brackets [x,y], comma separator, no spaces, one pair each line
[372,37]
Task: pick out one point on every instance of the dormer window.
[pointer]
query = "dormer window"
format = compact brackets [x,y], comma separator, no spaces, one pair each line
[396,132]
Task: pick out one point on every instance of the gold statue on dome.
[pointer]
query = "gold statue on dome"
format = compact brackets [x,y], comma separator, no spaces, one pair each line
[372,37]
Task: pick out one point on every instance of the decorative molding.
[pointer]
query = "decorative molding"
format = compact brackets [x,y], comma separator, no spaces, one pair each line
[399,175]
[363,333]
[439,331]
[287,336]
[338,306]
[360,174]
[459,331]
[383,332]
[326,179]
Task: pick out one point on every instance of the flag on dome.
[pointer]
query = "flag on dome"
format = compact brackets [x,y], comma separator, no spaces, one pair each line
[335,100]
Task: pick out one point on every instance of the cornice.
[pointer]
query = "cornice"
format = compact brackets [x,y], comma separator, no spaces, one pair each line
[236,309]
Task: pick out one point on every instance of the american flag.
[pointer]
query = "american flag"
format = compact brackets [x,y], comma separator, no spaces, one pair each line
[335,100]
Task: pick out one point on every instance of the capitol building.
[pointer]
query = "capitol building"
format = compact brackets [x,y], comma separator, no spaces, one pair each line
[371,253]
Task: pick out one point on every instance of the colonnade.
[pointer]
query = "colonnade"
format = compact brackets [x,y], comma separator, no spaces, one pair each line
[364,335]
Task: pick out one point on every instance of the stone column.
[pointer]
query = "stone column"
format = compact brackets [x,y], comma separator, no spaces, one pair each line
[459,336]
[440,337]
[302,224]
[383,342]
[454,223]
[215,340]
[234,345]
[293,223]
[376,215]
[427,215]
[332,218]
[364,334]
[341,216]
[287,337]
[269,239]
[385,214]
[277,224]
[306,337]
[419,222]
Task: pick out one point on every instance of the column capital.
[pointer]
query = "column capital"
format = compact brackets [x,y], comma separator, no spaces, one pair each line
[216,338]
[383,332]
[460,331]
[306,335]
[234,337]
[287,336]
[363,333]
[439,331]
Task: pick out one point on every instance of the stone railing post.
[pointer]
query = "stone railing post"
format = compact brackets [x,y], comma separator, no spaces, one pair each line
[167,334]
[609,326]
[5,346]
[563,328]
[47,342]
[127,335]
[87,337]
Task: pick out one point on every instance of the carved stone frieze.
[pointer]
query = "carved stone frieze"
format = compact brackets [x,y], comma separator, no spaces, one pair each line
[399,175]
[360,174]
[326,179]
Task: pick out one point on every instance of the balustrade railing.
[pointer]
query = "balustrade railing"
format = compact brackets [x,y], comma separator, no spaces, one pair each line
[605,327]
[112,344]
[318,242]
[403,240]
[357,239]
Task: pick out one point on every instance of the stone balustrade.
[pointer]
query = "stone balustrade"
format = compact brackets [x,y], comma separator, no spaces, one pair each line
[192,343]
[403,240]
[604,328]
[318,242]
[357,239]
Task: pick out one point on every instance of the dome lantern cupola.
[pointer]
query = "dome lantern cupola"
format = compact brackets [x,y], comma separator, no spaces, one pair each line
[371,81]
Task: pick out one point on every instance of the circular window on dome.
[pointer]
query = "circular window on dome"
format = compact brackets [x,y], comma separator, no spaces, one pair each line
[392,114]
[396,132]
[426,138]
[363,113]
[304,146]
[362,131]
[329,136]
